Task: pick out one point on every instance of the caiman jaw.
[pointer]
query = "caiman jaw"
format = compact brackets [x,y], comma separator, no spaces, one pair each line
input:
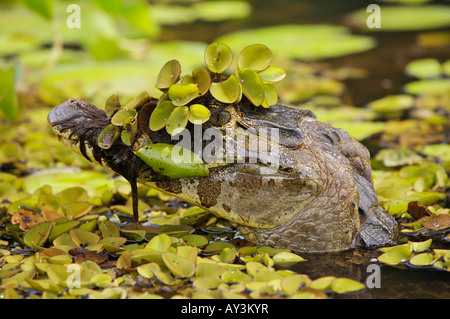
[78,124]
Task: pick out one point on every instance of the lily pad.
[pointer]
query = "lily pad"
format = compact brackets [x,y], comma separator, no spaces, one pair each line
[169,74]
[228,91]
[160,115]
[255,56]
[218,57]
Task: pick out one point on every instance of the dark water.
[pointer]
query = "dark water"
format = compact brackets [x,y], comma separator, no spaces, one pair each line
[385,65]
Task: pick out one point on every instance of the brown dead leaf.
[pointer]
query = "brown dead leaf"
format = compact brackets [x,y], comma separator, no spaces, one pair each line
[26,218]
[417,211]
[83,254]
[436,222]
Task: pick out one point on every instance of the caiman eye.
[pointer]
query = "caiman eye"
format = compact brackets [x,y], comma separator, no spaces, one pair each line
[221,118]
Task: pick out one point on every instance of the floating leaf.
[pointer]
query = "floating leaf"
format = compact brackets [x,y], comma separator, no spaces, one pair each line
[195,240]
[109,229]
[200,77]
[177,120]
[160,115]
[130,126]
[159,243]
[83,238]
[272,74]
[436,222]
[181,94]
[122,115]
[37,235]
[112,105]
[344,285]
[271,96]
[294,283]
[26,218]
[424,259]
[395,255]
[255,56]
[169,74]
[137,101]
[108,136]
[424,68]
[228,91]
[252,86]
[420,246]
[209,270]
[218,57]
[198,114]
[286,259]
[145,270]
[60,229]
[179,266]
[172,161]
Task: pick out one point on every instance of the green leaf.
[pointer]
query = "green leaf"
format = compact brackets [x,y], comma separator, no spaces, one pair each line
[42,7]
[271,95]
[424,68]
[252,86]
[8,98]
[160,115]
[122,115]
[181,94]
[169,74]
[200,77]
[179,266]
[198,114]
[138,14]
[286,259]
[218,57]
[172,161]
[108,136]
[344,285]
[395,255]
[424,259]
[37,235]
[159,243]
[272,74]
[177,120]
[112,105]
[130,126]
[228,91]
[255,56]
[82,237]
[138,101]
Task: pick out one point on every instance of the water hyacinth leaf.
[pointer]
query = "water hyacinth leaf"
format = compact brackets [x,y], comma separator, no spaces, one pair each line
[198,114]
[271,96]
[255,56]
[122,115]
[172,161]
[108,136]
[218,57]
[227,91]
[137,101]
[112,105]
[344,285]
[181,94]
[169,74]
[37,235]
[160,115]
[272,74]
[179,266]
[252,86]
[395,255]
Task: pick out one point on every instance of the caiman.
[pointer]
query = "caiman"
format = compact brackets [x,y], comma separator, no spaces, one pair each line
[319,198]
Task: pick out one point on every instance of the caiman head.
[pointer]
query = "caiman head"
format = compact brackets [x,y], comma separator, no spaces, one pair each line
[305,185]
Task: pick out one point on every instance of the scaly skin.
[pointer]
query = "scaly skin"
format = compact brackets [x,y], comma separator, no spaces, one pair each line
[319,199]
